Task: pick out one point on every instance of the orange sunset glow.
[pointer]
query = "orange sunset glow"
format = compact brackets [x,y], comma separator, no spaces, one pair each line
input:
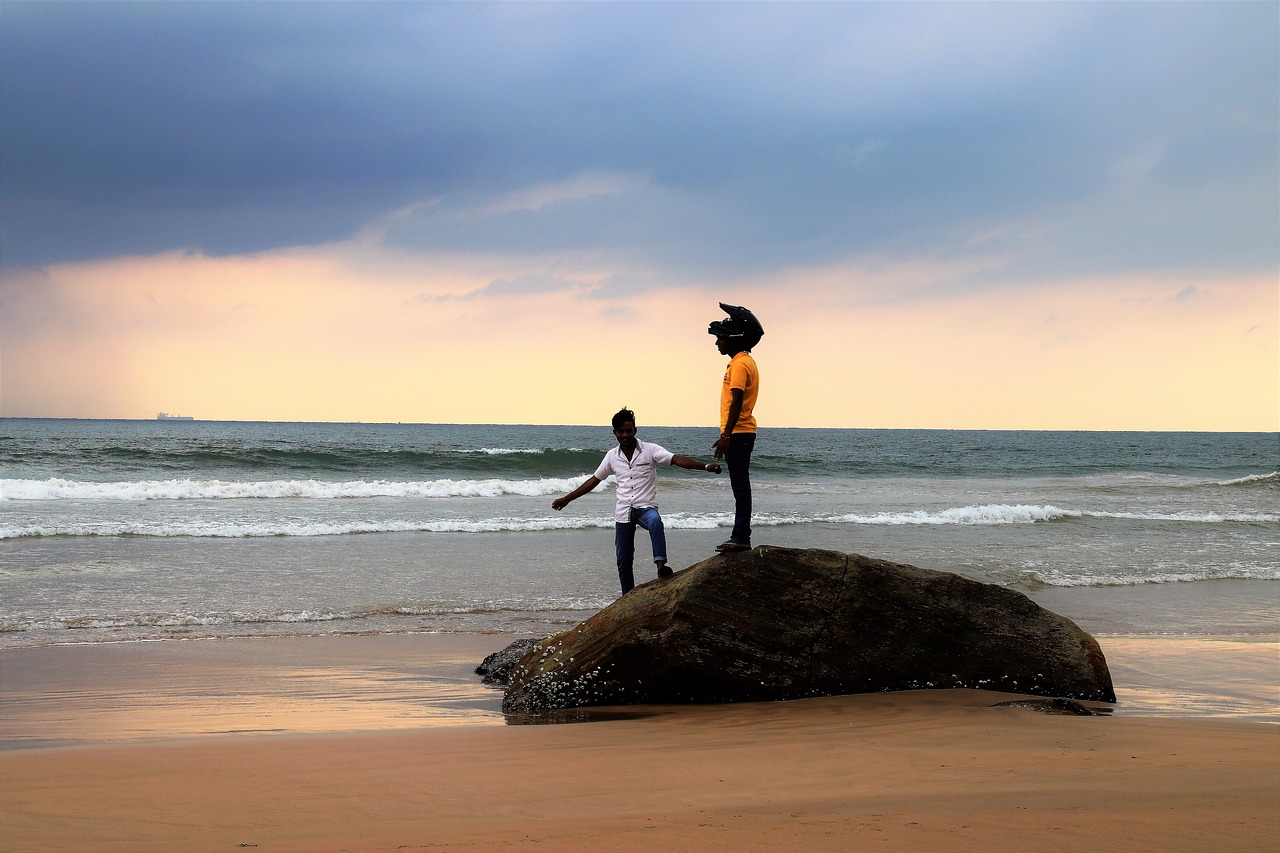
[946,215]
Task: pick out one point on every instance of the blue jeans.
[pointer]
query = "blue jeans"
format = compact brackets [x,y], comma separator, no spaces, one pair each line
[738,458]
[624,542]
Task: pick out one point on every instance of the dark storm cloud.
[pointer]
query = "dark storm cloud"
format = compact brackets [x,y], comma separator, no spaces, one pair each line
[1074,138]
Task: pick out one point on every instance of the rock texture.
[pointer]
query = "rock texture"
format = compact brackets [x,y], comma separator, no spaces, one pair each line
[781,623]
[496,668]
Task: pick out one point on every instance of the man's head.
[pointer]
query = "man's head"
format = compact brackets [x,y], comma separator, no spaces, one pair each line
[738,332]
[624,428]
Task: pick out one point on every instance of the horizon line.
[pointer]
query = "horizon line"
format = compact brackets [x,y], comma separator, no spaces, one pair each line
[196,420]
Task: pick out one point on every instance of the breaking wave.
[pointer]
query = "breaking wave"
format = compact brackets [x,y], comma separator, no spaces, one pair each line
[1046,577]
[240,527]
[55,489]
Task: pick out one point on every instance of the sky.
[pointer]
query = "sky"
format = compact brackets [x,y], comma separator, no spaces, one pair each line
[946,215]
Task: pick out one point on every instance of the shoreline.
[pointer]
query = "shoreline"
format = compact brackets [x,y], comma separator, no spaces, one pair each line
[389,742]
[173,690]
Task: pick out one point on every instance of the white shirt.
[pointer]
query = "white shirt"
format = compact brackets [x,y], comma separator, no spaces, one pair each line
[637,476]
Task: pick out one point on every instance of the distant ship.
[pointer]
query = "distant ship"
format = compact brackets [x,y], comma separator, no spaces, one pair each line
[165,416]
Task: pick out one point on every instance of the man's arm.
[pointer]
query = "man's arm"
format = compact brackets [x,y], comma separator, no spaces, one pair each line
[735,410]
[563,501]
[693,464]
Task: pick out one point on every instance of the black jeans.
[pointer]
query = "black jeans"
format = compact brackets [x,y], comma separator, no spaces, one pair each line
[738,457]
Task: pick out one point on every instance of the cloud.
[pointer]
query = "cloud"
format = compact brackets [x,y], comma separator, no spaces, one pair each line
[698,142]
[525,285]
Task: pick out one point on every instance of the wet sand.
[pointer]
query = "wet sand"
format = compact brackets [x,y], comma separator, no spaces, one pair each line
[389,742]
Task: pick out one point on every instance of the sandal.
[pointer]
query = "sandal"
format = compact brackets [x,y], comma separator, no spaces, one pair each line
[729,546]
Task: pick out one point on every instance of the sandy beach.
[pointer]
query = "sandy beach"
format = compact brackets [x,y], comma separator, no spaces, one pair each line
[390,743]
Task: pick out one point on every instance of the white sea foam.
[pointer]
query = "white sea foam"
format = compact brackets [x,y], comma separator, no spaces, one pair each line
[218,529]
[240,527]
[252,529]
[230,620]
[506,451]
[1021,514]
[1049,577]
[1271,479]
[55,489]
[982,515]
[1193,517]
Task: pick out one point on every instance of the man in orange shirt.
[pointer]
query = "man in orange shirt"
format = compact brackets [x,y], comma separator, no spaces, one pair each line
[735,337]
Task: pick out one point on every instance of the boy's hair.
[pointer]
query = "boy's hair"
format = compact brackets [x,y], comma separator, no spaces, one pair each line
[624,416]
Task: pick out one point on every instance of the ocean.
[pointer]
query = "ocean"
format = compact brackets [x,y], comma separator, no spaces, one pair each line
[156,530]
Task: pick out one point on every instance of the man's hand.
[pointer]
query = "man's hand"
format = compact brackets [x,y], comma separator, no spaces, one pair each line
[563,501]
[721,445]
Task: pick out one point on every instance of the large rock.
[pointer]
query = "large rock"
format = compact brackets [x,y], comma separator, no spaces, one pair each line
[782,623]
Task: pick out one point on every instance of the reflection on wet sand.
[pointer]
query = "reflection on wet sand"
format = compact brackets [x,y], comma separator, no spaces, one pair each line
[123,692]
[1217,677]
[67,695]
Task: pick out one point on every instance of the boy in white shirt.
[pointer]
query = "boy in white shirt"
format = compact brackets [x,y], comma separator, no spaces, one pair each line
[635,462]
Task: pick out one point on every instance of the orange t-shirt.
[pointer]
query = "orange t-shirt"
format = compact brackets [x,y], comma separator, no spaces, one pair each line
[741,373]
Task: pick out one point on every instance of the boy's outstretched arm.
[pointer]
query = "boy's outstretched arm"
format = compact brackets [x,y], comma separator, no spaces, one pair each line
[693,464]
[563,501]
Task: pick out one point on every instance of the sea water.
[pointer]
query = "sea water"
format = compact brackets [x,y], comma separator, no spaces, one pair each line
[132,530]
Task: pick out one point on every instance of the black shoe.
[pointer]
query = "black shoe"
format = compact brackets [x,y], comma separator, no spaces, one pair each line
[665,572]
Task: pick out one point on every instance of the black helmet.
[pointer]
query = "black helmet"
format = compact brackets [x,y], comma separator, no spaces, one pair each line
[740,323]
